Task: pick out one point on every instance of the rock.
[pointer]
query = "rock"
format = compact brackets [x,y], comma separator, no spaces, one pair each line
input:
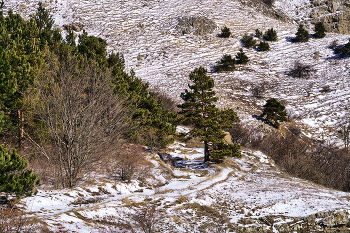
[336,220]
[73,26]
[332,6]
[198,25]
[310,220]
[284,228]
[228,138]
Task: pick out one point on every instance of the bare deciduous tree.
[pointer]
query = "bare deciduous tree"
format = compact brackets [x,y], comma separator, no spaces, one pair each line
[81,112]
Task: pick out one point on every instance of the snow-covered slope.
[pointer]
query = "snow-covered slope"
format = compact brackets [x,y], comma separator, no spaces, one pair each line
[145,32]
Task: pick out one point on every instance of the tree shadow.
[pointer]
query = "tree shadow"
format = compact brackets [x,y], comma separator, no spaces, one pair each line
[179,162]
[262,119]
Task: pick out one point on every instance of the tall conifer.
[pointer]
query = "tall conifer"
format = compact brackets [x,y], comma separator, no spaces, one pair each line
[208,121]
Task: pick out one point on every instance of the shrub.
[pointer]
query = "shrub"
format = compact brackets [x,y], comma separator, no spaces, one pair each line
[275,111]
[334,44]
[226,63]
[270,35]
[343,51]
[320,30]
[263,46]
[259,89]
[241,57]
[258,33]
[302,34]
[301,70]
[248,41]
[225,32]
[13,178]
[269,2]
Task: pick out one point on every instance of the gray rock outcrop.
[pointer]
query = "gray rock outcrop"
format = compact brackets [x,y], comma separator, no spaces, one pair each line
[197,25]
[334,14]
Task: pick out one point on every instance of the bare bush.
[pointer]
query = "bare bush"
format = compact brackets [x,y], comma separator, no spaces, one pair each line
[344,130]
[148,218]
[14,220]
[334,44]
[168,102]
[127,161]
[259,89]
[82,114]
[301,70]
[244,135]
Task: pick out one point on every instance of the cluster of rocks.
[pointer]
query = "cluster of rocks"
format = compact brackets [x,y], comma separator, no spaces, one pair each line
[331,221]
[74,27]
[196,25]
[334,14]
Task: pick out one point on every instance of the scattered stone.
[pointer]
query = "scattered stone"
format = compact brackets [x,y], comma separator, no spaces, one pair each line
[198,25]
[74,26]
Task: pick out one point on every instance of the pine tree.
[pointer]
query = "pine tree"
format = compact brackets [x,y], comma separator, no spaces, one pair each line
[302,34]
[13,178]
[226,63]
[320,30]
[225,32]
[263,46]
[241,58]
[275,111]
[258,33]
[270,35]
[248,41]
[208,121]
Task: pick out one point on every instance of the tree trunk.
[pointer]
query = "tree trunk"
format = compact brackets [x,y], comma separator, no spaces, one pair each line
[20,128]
[206,151]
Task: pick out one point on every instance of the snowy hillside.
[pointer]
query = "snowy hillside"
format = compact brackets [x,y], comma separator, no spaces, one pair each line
[242,190]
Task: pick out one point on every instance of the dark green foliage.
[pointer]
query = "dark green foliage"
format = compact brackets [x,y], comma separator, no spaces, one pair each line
[225,32]
[258,33]
[248,41]
[320,30]
[156,125]
[22,48]
[226,63]
[263,46]
[302,34]
[241,58]
[274,112]
[13,178]
[93,47]
[343,51]
[208,121]
[270,35]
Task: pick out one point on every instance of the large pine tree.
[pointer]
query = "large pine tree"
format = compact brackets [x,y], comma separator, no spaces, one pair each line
[208,121]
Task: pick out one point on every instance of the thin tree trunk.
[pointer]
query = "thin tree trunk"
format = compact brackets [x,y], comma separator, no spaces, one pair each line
[206,151]
[20,129]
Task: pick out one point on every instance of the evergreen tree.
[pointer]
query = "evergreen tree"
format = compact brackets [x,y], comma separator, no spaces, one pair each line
[208,121]
[320,30]
[302,34]
[275,111]
[13,178]
[225,32]
[263,46]
[258,33]
[226,63]
[241,58]
[343,51]
[248,41]
[270,35]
